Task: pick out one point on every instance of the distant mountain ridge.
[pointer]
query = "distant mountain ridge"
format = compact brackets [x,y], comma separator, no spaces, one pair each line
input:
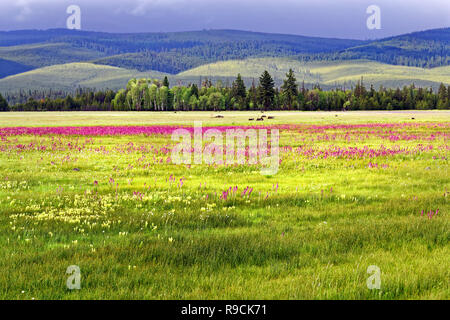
[164,52]
[180,52]
[427,49]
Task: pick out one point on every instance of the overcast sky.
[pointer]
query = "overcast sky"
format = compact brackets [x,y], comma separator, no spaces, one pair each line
[325,18]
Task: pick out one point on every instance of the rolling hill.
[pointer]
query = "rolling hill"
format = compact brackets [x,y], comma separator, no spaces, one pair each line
[8,67]
[46,54]
[117,43]
[429,48]
[180,51]
[165,52]
[66,59]
[70,76]
[326,73]
[171,62]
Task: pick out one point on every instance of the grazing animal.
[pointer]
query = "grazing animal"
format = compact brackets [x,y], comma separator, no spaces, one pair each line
[260,119]
[219,117]
[270,118]
[251,119]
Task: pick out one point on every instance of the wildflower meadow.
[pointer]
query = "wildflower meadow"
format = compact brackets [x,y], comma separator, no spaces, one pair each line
[100,194]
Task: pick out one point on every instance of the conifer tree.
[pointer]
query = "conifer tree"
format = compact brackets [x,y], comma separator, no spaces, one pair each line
[239,92]
[166,82]
[194,90]
[442,96]
[290,88]
[266,91]
[3,104]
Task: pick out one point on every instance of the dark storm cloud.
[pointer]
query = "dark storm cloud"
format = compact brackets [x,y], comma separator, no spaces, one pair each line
[328,18]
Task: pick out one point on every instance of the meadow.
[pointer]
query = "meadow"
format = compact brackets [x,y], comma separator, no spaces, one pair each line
[99,191]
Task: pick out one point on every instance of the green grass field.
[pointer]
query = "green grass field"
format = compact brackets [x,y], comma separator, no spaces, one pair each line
[349,193]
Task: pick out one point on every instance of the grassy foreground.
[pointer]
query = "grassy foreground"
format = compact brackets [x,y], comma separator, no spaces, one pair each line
[349,194]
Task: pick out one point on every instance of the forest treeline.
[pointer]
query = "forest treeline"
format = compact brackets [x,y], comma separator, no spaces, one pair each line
[157,95]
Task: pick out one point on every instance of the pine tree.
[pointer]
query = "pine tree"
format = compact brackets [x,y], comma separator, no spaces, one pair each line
[239,92]
[166,82]
[448,97]
[239,89]
[3,104]
[442,97]
[290,88]
[69,103]
[266,90]
[253,96]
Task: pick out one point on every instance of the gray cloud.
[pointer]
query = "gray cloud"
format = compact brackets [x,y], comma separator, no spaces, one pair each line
[328,18]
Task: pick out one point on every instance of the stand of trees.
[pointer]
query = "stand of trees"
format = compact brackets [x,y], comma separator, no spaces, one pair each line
[156,95]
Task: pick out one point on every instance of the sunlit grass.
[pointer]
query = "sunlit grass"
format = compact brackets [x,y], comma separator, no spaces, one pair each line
[136,232]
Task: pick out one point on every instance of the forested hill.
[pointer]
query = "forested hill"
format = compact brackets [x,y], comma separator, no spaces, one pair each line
[114,43]
[425,49]
[180,51]
[165,52]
